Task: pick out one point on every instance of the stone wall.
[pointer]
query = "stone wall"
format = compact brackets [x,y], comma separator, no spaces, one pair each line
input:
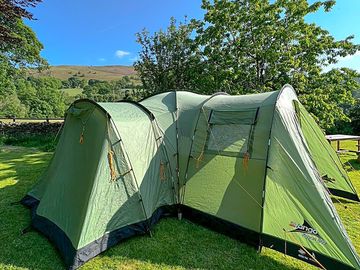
[35,128]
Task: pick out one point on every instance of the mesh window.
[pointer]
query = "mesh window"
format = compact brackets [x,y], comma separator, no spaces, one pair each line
[231,138]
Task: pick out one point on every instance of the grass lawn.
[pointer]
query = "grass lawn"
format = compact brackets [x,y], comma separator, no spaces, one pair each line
[72,92]
[174,245]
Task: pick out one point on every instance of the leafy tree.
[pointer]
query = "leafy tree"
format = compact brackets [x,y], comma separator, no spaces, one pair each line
[42,96]
[328,96]
[11,11]
[168,60]
[251,46]
[74,82]
[128,95]
[108,90]
[65,84]
[10,104]
[355,117]
[18,43]
[19,48]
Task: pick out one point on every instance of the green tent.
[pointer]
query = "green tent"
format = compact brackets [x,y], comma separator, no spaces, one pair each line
[252,167]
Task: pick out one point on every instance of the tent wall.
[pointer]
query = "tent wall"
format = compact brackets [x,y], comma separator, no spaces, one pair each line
[324,156]
[143,144]
[238,161]
[94,212]
[163,107]
[298,209]
[70,177]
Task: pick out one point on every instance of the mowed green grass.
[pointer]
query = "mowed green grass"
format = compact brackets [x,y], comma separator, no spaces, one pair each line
[72,92]
[174,245]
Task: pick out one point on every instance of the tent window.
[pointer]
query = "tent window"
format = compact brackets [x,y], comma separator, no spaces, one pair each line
[232,138]
[230,133]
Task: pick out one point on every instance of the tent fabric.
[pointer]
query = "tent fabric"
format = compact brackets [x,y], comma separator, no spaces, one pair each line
[254,167]
[313,225]
[328,163]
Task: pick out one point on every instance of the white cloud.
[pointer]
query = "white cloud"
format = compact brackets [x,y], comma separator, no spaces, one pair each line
[121,54]
[102,59]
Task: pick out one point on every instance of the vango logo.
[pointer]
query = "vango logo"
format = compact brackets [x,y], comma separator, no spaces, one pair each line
[304,228]
[307,231]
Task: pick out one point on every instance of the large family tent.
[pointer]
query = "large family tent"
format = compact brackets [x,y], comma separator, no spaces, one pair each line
[251,167]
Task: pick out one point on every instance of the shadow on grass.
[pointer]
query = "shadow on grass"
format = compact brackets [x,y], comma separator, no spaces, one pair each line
[19,169]
[44,142]
[354,164]
[343,201]
[175,244]
[184,245]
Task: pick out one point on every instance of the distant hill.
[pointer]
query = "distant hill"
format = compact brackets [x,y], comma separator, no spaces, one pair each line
[106,73]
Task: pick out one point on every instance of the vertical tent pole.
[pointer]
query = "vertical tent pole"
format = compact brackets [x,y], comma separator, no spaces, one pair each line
[177,153]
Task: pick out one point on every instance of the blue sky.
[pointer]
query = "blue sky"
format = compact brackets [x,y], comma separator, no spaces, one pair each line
[94,32]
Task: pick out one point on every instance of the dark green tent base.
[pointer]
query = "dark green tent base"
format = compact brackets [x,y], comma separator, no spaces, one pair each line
[29,201]
[344,194]
[297,252]
[75,258]
[219,225]
[256,240]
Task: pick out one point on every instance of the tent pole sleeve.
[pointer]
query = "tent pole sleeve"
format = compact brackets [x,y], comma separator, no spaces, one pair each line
[177,169]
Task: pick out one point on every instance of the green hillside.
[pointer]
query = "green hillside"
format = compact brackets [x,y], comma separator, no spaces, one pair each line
[105,73]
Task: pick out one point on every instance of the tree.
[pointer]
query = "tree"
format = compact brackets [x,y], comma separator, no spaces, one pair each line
[74,82]
[18,43]
[168,60]
[256,46]
[19,48]
[11,11]
[41,96]
[10,104]
[252,46]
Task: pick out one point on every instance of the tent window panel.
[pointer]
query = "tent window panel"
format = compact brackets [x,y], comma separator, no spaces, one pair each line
[231,139]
